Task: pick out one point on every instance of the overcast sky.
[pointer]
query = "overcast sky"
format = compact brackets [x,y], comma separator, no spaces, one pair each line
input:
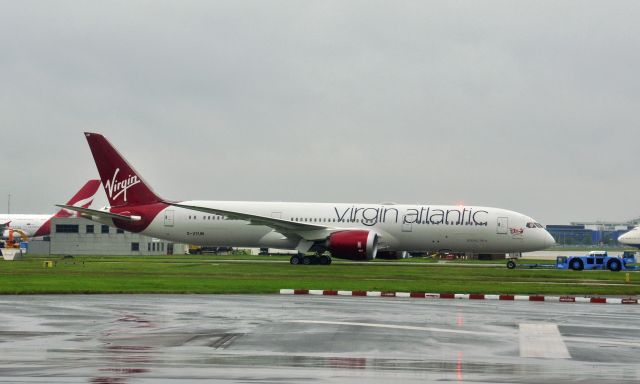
[530,106]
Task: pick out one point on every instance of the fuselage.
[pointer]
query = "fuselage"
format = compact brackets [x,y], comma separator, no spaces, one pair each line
[400,227]
[31,225]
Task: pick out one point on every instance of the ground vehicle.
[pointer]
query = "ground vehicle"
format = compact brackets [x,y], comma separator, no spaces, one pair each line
[597,260]
[594,260]
[199,250]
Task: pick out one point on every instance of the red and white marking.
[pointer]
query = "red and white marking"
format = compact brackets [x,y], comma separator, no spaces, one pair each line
[464,296]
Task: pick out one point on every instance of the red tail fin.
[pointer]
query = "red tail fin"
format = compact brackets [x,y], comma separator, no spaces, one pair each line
[83,198]
[122,184]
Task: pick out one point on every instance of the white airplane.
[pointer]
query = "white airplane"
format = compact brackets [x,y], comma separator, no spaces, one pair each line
[40,225]
[350,231]
[631,238]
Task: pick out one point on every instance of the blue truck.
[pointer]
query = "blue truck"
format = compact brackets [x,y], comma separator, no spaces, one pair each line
[594,260]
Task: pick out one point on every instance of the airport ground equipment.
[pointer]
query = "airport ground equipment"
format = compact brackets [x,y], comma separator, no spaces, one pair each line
[594,260]
[200,250]
[11,240]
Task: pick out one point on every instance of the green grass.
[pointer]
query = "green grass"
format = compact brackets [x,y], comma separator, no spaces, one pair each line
[212,274]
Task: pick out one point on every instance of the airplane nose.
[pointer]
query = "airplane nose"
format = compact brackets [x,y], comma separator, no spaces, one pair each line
[623,238]
[548,239]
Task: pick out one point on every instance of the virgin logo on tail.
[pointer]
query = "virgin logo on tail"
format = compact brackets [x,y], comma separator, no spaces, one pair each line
[117,188]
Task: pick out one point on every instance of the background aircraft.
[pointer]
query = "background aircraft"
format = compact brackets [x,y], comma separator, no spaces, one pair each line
[351,231]
[40,225]
[631,238]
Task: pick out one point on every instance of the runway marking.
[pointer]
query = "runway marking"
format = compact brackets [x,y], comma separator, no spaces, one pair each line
[542,340]
[224,341]
[391,326]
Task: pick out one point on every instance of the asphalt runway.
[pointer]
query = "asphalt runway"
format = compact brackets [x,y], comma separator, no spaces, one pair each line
[308,339]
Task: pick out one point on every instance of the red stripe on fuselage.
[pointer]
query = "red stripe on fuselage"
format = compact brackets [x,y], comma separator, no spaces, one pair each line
[44,230]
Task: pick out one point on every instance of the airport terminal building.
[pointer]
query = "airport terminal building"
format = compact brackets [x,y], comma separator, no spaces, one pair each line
[589,234]
[77,236]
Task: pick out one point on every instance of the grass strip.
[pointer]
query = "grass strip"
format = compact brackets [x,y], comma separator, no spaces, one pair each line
[206,274]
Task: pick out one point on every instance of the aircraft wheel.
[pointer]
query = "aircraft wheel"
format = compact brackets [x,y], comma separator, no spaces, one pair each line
[511,264]
[306,260]
[577,265]
[294,260]
[614,265]
[324,260]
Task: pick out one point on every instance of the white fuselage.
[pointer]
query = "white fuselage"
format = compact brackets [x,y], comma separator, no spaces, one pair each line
[400,227]
[29,224]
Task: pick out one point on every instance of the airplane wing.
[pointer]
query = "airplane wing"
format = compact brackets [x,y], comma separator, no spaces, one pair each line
[277,224]
[103,214]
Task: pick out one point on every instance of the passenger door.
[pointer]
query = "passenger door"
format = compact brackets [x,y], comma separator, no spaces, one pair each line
[168,218]
[503,225]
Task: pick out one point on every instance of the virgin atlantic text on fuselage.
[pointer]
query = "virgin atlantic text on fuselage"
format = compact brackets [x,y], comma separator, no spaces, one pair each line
[423,215]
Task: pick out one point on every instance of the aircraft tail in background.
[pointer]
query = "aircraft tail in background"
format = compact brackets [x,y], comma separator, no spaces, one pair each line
[83,198]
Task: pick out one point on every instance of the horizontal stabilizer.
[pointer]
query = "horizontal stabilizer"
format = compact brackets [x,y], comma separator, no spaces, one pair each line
[103,214]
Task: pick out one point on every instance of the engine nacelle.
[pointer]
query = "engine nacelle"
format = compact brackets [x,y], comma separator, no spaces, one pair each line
[353,245]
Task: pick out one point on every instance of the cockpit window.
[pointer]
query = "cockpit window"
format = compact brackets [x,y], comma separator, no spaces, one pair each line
[534,225]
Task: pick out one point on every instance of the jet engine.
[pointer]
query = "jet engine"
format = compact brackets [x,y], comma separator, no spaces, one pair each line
[353,244]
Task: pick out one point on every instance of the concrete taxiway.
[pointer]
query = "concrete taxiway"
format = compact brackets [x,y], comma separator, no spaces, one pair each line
[240,339]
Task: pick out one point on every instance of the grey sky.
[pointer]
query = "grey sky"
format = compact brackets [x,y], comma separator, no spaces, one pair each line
[530,106]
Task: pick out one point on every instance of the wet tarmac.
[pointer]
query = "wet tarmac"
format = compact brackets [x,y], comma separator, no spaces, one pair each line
[307,339]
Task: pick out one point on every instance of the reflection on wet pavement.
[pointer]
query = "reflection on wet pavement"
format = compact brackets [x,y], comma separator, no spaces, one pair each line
[160,339]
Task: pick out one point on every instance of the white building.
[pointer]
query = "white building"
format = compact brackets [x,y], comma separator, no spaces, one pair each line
[76,236]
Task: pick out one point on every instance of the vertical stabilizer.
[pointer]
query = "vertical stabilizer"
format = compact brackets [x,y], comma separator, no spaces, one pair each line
[122,184]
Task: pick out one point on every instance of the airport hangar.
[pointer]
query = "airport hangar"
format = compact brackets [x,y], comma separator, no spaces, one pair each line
[78,236]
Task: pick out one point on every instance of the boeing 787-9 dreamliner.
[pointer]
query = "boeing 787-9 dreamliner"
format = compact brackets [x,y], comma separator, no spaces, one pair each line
[350,231]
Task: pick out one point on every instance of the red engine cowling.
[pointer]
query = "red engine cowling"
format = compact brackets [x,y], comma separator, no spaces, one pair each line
[353,245]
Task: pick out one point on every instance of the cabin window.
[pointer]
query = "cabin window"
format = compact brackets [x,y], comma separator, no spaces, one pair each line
[67,228]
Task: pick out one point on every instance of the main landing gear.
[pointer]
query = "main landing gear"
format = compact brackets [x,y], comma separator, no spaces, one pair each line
[308,260]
